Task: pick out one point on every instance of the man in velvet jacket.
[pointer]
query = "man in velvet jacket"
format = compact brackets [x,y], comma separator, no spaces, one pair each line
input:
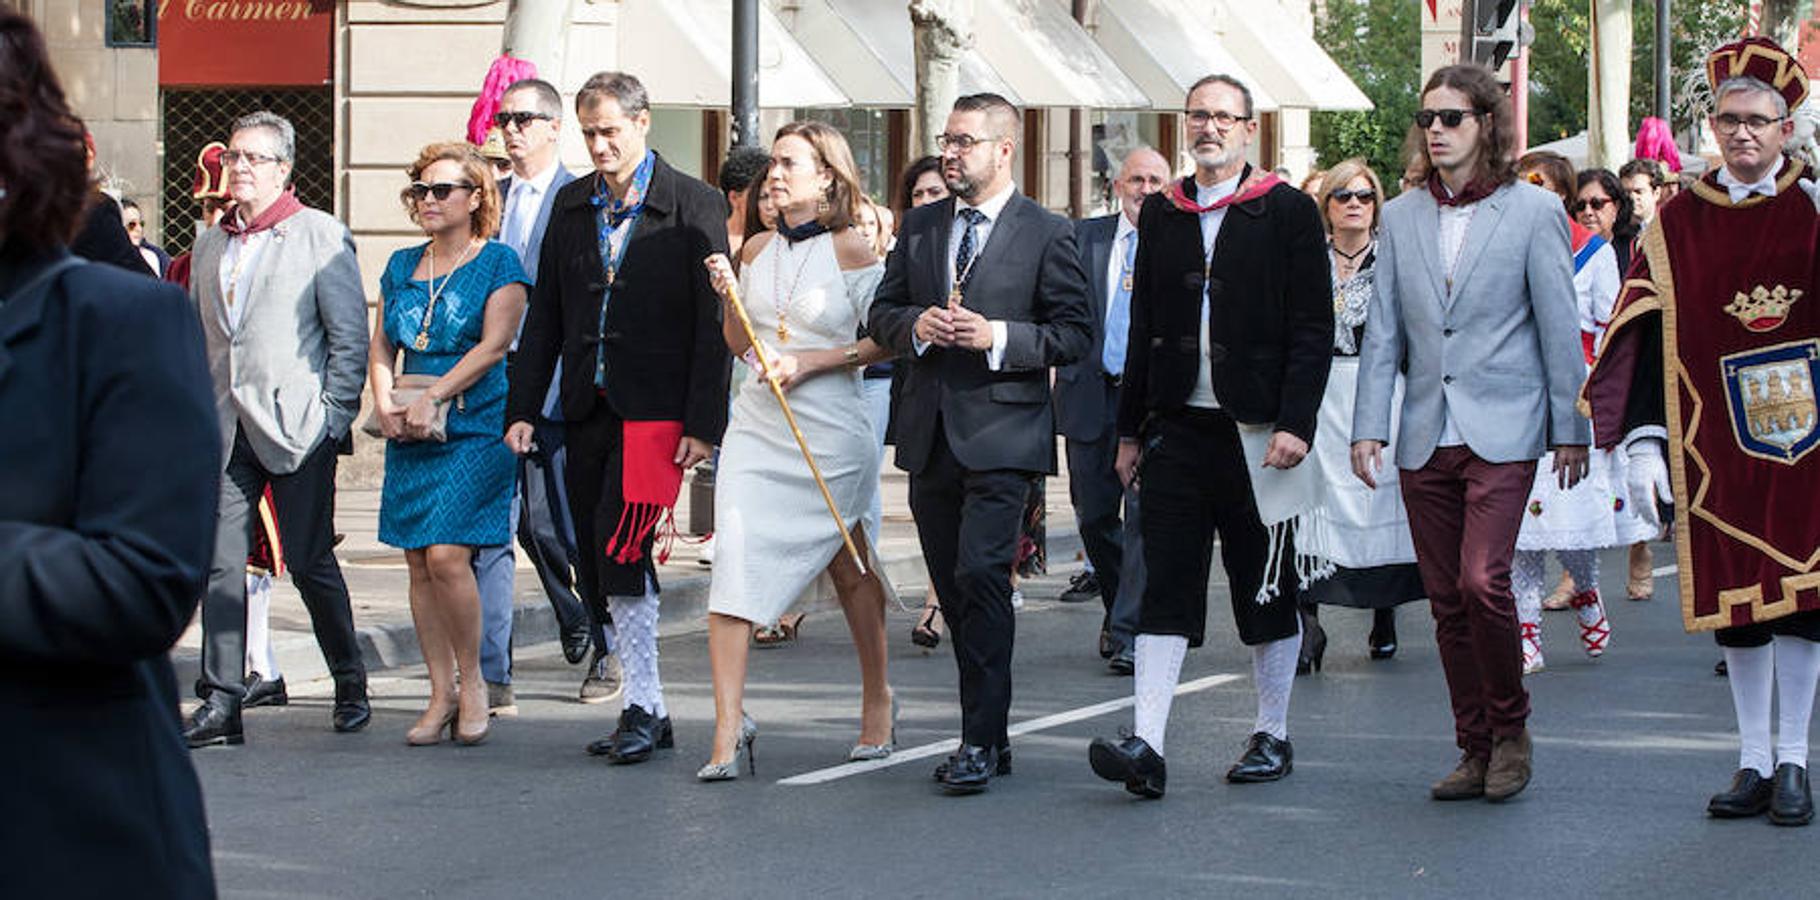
[622,298]
[1229,347]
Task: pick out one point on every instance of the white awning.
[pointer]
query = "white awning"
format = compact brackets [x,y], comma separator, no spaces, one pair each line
[1030,51]
[1165,47]
[1286,59]
[683,51]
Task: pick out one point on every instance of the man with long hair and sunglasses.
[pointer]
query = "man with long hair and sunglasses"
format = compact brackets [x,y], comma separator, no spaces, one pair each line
[1475,299]
[1707,381]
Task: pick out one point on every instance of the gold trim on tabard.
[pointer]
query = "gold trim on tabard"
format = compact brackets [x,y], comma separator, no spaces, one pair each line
[1719,196]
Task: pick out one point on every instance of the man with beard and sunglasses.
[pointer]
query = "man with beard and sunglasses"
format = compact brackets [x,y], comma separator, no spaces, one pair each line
[982,296]
[1475,301]
[1228,353]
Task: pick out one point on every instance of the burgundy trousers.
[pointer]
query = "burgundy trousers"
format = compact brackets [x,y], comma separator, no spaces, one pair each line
[1464,514]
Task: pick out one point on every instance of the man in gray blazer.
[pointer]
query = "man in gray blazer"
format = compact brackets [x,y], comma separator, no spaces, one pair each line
[530,119]
[284,318]
[1475,295]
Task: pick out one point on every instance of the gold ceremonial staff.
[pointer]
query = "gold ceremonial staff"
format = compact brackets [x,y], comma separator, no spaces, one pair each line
[802,443]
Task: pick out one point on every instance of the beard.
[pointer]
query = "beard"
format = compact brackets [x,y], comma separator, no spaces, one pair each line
[966,185]
[1212,155]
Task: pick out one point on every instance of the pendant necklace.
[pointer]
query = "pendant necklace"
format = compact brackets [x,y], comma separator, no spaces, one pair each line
[781,301]
[422,342]
[1339,296]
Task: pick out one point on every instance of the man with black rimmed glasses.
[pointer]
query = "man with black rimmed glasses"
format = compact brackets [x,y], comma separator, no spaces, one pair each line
[1475,302]
[982,296]
[1723,296]
[1227,358]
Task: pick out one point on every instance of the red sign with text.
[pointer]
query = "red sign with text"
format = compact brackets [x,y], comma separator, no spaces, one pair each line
[265,43]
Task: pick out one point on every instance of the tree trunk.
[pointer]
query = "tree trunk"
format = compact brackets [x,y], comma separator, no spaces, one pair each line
[1782,21]
[943,32]
[537,30]
[1608,85]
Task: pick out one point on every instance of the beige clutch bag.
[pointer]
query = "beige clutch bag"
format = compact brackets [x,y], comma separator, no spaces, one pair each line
[405,391]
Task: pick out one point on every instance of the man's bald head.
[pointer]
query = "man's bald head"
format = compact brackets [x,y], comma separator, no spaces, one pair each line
[1143,172]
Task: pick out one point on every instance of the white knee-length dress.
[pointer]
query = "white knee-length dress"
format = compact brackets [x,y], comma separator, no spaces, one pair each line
[773,533]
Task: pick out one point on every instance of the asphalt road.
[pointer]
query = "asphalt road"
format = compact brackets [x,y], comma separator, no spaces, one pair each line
[1627,750]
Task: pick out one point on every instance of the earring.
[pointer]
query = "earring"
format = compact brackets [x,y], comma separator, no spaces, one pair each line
[821,206]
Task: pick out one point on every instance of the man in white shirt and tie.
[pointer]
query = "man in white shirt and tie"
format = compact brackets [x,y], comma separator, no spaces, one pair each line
[530,119]
[1086,408]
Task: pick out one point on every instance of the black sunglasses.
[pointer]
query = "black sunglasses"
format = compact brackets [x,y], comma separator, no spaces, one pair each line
[520,119]
[1363,195]
[1449,117]
[440,190]
[1597,203]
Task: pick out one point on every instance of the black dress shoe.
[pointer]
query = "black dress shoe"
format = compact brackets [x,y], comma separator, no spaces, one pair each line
[260,692]
[1082,588]
[352,712]
[1792,803]
[575,640]
[969,770]
[666,739]
[1130,761]
[215,722]
[1749,796]
[1122,662]
[638,735]
[1002,769]
[1265,759]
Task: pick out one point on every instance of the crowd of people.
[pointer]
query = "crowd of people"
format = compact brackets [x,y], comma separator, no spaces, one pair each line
[1233,357]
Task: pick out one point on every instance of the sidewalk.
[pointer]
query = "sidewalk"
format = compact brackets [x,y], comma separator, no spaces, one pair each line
[377,581]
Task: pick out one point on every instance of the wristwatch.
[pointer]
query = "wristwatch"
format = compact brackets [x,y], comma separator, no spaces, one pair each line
[851,355]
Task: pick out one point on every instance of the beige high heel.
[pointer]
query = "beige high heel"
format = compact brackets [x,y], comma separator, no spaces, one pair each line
[419,736]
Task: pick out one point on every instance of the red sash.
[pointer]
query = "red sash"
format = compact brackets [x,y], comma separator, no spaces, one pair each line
[649,482]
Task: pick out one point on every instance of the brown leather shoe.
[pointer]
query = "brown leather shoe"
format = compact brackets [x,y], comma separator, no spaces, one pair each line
[1508,773]
[1465,782]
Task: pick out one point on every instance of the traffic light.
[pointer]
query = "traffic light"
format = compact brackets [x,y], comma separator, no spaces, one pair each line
[1491,31]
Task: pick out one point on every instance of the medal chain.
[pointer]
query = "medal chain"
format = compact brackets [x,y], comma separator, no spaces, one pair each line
[429,311]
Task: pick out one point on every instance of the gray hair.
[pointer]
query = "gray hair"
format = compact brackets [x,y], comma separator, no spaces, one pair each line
[1231,82]
[279,127]
[549,102]
[623,89]
[1738,83]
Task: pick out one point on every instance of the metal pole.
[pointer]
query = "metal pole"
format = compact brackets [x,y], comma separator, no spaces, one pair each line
[745,73]
[1663,50]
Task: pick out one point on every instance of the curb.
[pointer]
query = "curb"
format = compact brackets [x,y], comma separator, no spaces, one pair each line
[393,645]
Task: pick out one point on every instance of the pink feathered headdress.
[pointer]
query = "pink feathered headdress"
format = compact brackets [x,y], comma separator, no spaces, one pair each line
[500,75]
[1655,141]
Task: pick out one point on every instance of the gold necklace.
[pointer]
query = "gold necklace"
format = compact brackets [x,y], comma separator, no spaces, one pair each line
[780,301]
[422,342]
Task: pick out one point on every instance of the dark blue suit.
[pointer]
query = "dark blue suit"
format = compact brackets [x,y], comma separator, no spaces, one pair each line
[109,471]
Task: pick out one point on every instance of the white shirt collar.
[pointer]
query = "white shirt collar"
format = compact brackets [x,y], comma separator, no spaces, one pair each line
[540,182]
[1124,228]
[992,206]
[1205,195]
[1741,191]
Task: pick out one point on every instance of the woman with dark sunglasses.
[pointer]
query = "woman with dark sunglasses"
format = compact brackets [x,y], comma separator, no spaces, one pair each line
[1363,530]
[1602,205]
[452,305]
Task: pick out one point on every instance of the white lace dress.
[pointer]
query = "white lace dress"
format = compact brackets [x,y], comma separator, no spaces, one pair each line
[773,534]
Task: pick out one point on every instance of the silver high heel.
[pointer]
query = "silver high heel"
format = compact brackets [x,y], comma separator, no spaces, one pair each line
[863,752]
[729,770]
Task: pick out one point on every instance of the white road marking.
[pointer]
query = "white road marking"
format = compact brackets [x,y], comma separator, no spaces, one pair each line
[1031,726]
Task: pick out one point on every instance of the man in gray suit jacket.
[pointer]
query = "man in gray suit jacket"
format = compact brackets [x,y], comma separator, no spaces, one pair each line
[284,318]
[530,118]
[1475,295]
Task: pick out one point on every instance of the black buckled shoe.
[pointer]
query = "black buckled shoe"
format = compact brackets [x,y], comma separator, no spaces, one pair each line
[639,735]
[1748,796]
[352,712]
[999,771]
[1792,803]
[215,723]
[666,739]
[575,641]
[1132,762]
[969,770]
[1265,759]
[260,692]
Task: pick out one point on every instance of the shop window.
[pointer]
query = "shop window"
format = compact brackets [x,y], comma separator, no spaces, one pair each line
[132,23]
[868,134]
[193,118]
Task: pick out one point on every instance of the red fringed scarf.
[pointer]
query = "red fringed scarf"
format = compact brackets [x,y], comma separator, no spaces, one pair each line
[649,482]
[1255,184]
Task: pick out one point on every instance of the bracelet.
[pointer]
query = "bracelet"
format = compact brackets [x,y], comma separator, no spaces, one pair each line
[851,355]
[750,358]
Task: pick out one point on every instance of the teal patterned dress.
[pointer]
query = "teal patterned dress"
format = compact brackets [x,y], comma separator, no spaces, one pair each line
[459,492]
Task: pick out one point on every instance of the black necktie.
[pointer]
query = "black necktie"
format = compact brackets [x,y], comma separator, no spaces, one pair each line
[963,255]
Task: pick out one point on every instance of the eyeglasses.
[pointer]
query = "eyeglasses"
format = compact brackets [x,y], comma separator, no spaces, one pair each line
[1363,195]
[1596,203]
[962,143]
[1727,124]
[440,190]
[1199,118]
[522,119]
[236,157]
[1450,118]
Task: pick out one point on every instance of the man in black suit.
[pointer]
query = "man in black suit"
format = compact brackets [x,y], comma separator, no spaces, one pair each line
[982,295]
[623,300]
[1086,411]
[1231,329]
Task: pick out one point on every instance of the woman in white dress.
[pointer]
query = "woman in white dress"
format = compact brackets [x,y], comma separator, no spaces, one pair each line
[807,288]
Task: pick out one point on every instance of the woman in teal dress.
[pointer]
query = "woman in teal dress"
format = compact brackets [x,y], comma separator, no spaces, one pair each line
[452,306]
